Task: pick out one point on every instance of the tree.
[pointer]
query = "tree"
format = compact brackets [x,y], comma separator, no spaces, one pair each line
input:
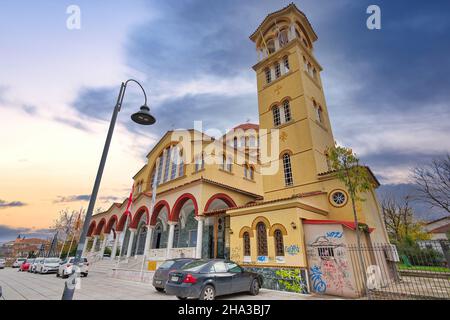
[346,166]
[398,217]
[433,182]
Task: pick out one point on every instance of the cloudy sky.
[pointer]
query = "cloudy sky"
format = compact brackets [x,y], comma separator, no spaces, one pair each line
[387,90]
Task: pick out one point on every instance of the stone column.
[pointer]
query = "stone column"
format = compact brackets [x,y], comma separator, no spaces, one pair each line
[198,249]
[114,249]
[170,239]
[291,33]
[94,244]
[103,247]
[148,239]
[130,242]
[85,246]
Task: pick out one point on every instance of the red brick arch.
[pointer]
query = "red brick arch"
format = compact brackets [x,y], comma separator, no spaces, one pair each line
[138,216]
[157,209]
[91,228]
[99,227]
[122,220]
[113,219]
[220,196]
[175,213]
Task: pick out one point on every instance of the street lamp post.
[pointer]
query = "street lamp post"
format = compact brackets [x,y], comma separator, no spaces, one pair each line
[142,117]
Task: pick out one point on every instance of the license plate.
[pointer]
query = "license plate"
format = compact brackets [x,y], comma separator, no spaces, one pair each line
[158,281]
[174,279]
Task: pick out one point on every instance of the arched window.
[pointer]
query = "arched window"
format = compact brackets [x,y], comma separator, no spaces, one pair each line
[288,181]
[319,112]
[176,154]
[200,163]
[261,238]
[271,46]
[287,111]
[286,64]
[160,162]
[251,141]
[283,37]
[251,170]
[276,116]
[235,142]
[279,245]
[246,238]
[167,163]
[242,142]
[277,70]
[229,164]
[181,165]
[268,74]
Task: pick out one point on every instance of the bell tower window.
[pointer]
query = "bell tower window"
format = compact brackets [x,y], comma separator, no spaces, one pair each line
[268,75]
[288,181]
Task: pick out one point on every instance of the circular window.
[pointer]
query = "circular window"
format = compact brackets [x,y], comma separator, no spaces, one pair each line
[338,198]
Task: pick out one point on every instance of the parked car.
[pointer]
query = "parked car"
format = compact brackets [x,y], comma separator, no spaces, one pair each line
[162,273]
[26,265]
[66,267]
[18,262]
[207,279]
[34,265]
[2,263]
[49,265]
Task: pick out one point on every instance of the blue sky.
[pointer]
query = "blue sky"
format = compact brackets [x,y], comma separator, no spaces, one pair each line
[387,90]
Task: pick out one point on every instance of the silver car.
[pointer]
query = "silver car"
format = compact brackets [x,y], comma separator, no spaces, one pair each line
[2,263]
[49,265]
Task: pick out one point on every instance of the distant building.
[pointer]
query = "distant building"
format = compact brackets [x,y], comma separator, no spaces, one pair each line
[438,229]
[22,247]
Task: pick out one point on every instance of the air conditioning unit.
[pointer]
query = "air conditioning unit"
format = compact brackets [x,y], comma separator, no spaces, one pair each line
[391,253]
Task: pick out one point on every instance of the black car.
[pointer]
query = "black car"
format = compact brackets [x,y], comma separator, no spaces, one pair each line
[162,273]
[206,279]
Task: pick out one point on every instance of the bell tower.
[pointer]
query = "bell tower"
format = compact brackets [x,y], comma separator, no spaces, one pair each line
[291,99]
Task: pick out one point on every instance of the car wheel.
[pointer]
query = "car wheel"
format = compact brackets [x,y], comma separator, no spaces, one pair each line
[208,293]
[85,274]
[181,298]
[159,289]
[254,288]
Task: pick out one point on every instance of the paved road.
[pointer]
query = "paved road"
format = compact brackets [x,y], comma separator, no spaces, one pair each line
[97,286]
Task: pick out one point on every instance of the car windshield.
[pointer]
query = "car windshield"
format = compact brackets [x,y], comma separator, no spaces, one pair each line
[195,266]
[21,259]
[51,260]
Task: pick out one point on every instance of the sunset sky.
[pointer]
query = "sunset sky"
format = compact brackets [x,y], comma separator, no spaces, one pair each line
[387,90]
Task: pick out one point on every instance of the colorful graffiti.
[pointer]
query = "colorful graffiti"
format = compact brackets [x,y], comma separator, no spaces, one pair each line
[284,279]
[292,250]
[319,285]
[330,270]
[262,259]
[334,234]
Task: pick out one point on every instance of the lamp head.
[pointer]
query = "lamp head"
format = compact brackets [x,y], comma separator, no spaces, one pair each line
[143,116]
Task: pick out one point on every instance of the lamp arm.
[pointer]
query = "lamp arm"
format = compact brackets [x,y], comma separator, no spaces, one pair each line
[122,92]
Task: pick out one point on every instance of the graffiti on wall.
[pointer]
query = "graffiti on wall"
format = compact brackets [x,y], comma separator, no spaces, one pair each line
[284,279]
[329,265]
[292,250]
[319,285]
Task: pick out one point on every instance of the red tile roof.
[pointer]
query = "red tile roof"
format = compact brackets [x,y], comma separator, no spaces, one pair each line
[247,126]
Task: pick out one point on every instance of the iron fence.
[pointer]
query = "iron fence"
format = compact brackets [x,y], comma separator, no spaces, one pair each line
[418,270]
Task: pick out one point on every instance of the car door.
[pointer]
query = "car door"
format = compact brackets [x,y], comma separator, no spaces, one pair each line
[222,278]
[240,279]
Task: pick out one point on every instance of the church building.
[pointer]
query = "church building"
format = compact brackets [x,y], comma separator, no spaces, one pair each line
[292,224]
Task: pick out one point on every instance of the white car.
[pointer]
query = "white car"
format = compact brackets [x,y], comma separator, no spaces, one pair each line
[66,267]
[49,265]
[36,262]
[18,262]
[2,263]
